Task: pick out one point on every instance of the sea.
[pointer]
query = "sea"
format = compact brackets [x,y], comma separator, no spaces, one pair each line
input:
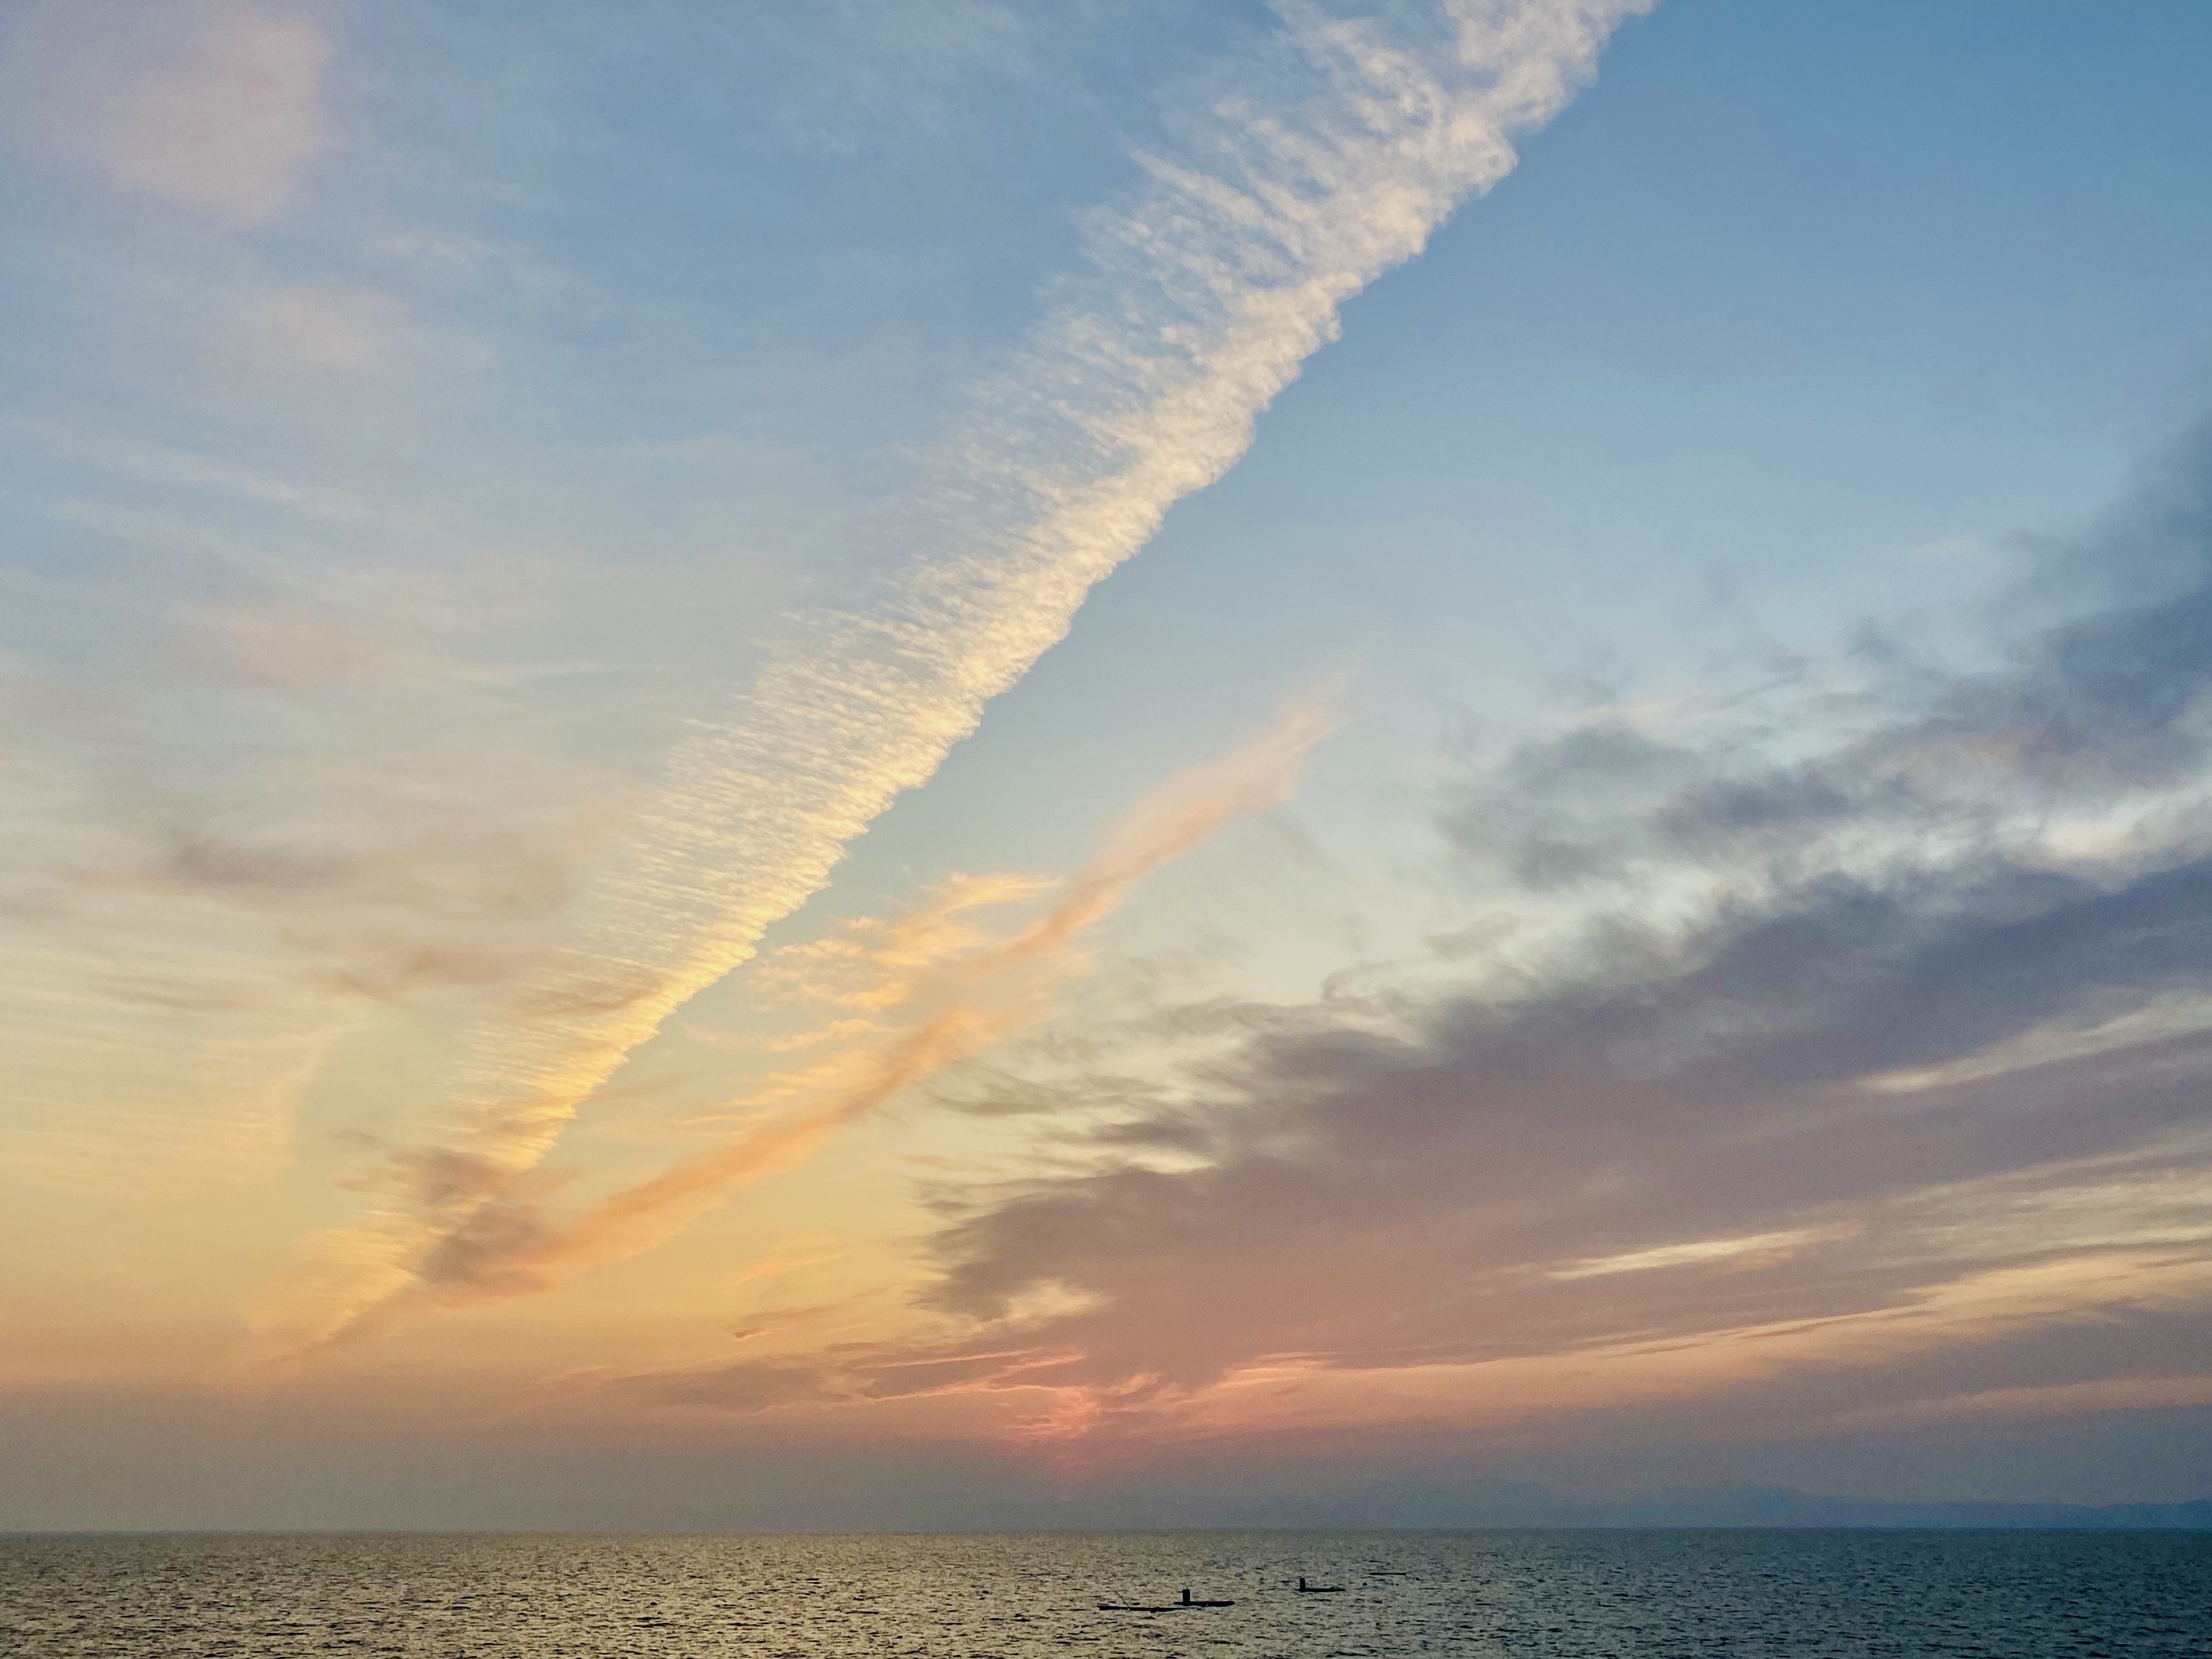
[1562,1595]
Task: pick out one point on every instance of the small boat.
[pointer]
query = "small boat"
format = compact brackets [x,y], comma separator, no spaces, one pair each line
[1305,1588]
[1171,1606]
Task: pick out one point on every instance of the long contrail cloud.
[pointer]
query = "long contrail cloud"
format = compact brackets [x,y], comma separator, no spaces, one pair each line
[936,990]
[1327,157]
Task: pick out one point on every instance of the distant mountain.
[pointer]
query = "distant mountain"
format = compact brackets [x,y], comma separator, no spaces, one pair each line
[1442,1503]
[1784,1506]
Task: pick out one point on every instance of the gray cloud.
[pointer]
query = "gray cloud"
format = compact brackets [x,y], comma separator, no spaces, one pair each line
[2085,710]
[1905,1042]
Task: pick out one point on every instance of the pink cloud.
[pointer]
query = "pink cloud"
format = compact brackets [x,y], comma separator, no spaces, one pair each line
[213,105]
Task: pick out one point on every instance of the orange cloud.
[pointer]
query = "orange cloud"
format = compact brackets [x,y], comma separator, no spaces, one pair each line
[967,995]
[927,988]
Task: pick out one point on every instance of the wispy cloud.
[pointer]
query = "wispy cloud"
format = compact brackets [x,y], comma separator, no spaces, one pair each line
[213,105]
[929,988]
[165,463]
[1300,175]
[1753,1250]
[178,985]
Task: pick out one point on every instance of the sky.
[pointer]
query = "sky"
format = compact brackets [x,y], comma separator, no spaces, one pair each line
[953,762]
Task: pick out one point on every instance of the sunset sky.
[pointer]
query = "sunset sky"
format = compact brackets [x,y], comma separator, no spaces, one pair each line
[910,763]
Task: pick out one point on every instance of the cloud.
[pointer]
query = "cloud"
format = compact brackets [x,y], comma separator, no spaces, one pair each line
[931,989]
[213,105]
[1825,1065]
[370,873]
[1295,178]
[166,464]
[192,932]
[1758,1249]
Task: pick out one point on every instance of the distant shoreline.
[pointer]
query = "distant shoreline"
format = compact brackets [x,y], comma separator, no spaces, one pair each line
[1843,1514]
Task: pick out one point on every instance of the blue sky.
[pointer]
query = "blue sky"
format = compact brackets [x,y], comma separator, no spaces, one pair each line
[1008,699]
[1796,320]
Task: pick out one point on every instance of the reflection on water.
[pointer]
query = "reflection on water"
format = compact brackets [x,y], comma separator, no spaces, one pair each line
[1573,1594]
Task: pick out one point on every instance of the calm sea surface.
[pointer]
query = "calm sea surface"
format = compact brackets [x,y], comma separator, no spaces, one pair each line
[1576,1594]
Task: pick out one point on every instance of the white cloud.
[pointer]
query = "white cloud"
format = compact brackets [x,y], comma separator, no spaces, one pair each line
[2153,1020]
[1297,180]
[1755,1250]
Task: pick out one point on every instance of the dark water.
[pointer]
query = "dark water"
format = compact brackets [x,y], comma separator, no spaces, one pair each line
[1575,1595]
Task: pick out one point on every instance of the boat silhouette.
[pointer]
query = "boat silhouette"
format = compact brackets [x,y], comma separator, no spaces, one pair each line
[1305,1588]
[1168,1607]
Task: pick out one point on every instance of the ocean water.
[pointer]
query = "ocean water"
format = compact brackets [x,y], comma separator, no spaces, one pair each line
[1561,1595]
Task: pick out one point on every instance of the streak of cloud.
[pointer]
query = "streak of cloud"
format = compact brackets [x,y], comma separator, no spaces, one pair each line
[1299,176]
[931,989]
